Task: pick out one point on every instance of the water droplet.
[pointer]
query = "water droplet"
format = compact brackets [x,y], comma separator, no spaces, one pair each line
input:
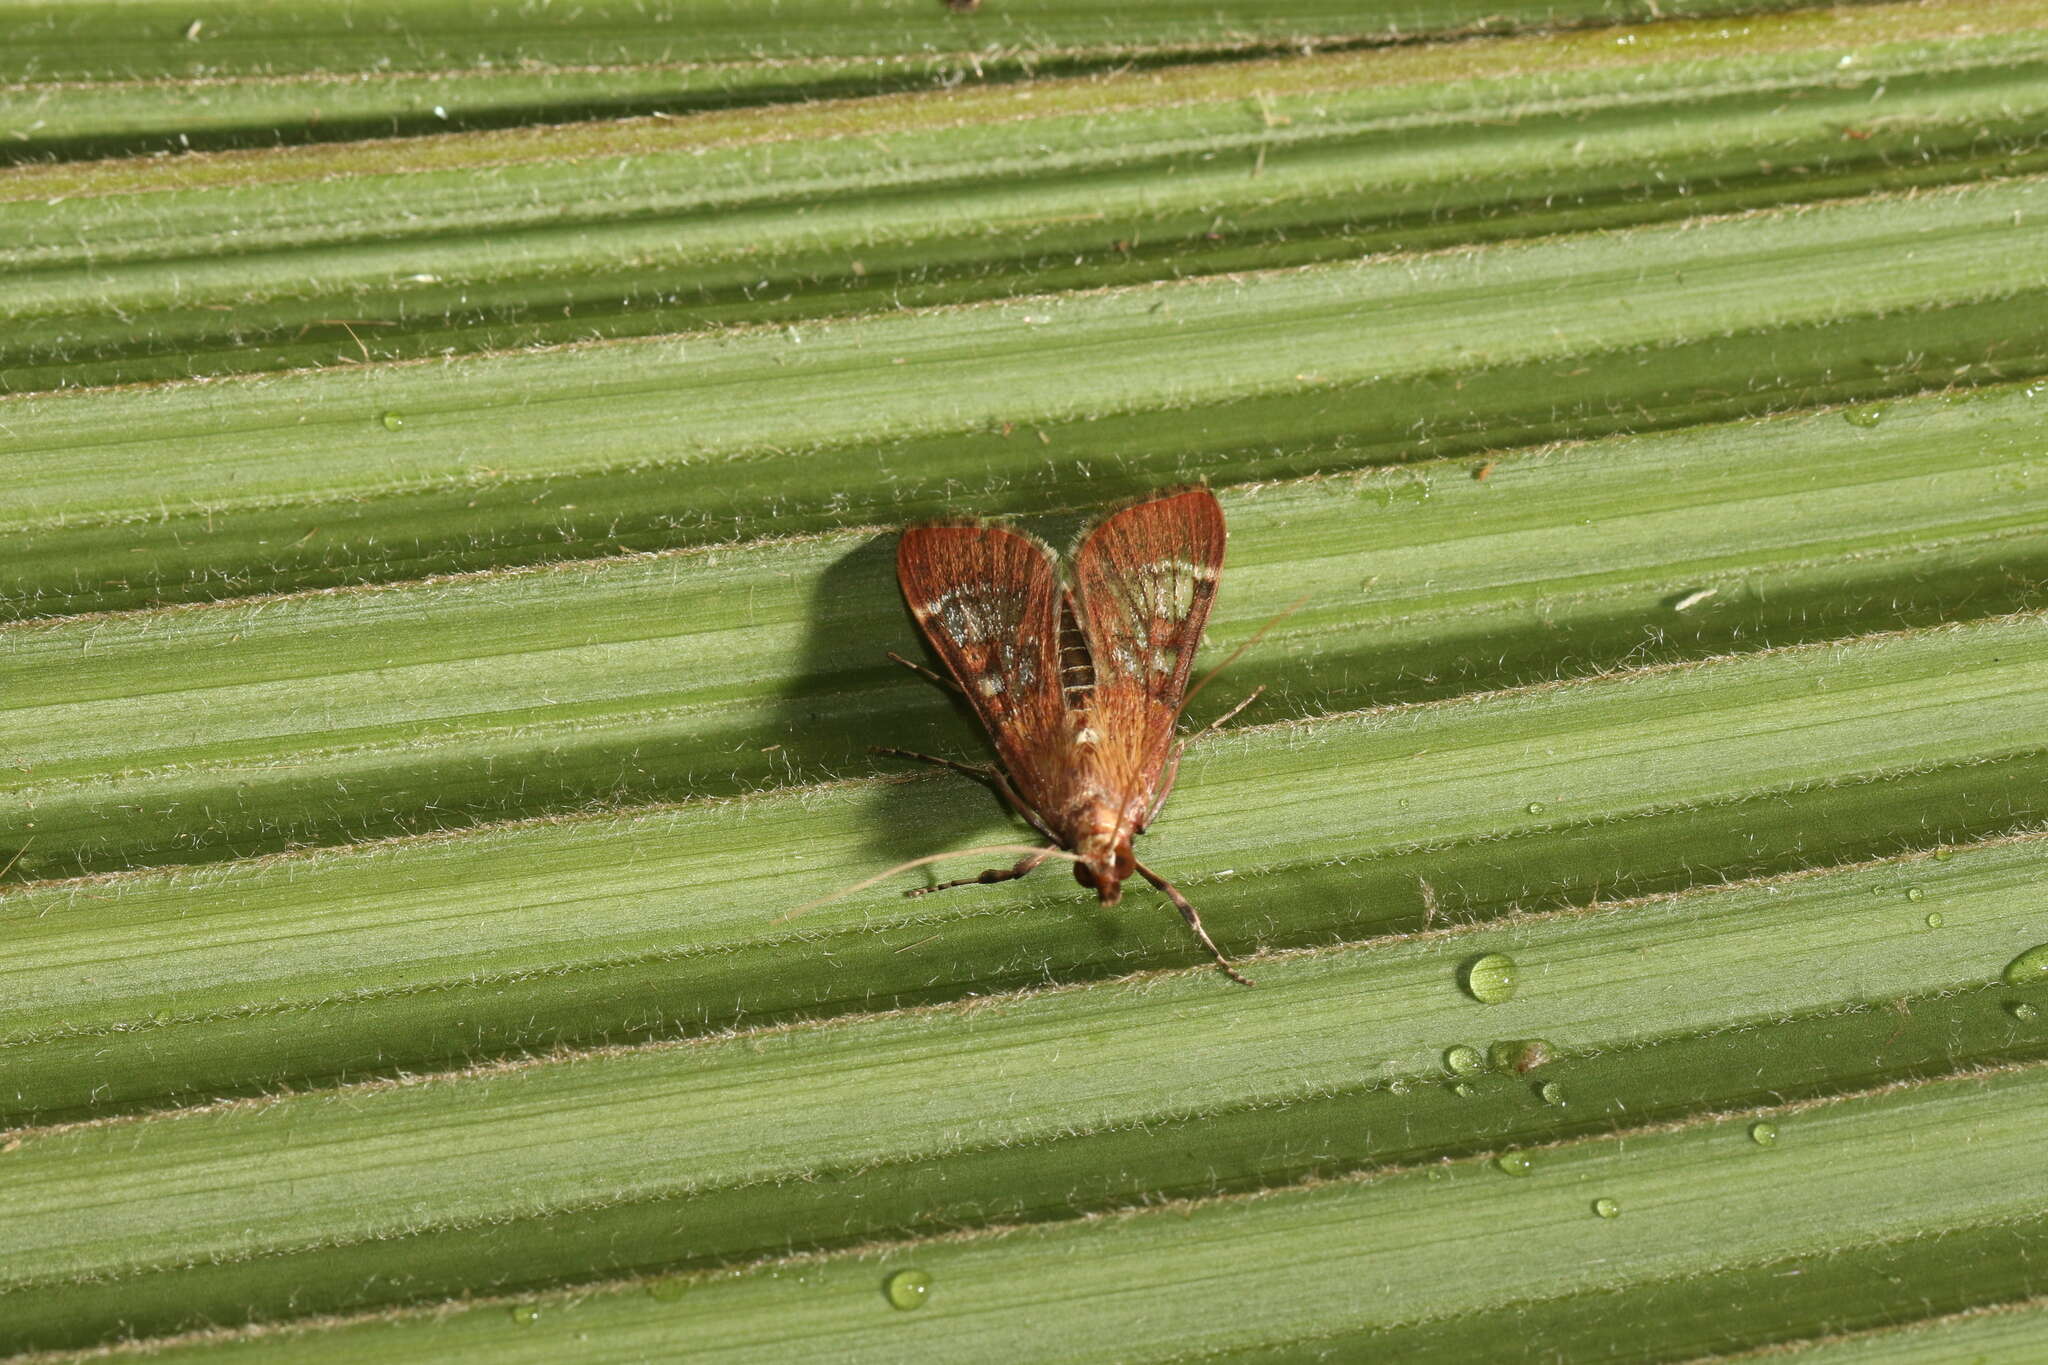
[1515,1163]
[160,1017]
[526,1314]
[668,1290]
[1464,1090]
[1914,893]
[1520,1055]
[2023,1012]
[1552,1092]
[1534,808]
[1942,855]
[2029,968]
[1763,1133]
[1462,1060]
[1935,919]
[1491,980]
[1863,417]
[906,1289]
[1606,1207]
[1397,1086]
[393,421]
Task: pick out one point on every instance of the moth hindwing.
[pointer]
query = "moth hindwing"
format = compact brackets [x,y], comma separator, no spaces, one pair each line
[1080,686]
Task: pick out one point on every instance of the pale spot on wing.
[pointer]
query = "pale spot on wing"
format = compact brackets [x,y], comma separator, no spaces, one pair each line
[965,615]
[1086,735]
[1025,669]
[1169,588]
[989,684]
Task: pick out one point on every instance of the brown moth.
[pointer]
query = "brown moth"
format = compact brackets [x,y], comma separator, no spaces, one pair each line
[1079,684]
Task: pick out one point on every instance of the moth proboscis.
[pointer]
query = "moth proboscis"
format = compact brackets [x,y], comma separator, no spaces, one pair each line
[1081,683]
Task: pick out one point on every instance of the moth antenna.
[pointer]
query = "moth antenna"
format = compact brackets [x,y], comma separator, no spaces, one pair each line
[1296,605]
[929,858]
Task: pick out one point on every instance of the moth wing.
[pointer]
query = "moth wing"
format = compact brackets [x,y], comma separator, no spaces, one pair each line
[1145,579]
[989,601]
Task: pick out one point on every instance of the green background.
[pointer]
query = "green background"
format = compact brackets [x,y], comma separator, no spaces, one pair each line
[450,456]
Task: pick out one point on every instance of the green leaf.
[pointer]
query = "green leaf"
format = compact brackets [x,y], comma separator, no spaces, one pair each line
[345,475]
[1164,1087]
[446,587]
[1436,1246]
[463,242]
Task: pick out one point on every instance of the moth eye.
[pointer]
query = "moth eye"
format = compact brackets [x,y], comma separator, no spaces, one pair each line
[1083,875]
[1124,863]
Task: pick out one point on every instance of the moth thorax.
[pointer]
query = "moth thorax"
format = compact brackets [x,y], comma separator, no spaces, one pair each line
[1106,859]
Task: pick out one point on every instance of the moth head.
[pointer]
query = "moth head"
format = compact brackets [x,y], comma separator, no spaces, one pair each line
[1106,860]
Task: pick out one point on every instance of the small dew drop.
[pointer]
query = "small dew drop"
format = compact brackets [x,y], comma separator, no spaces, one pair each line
[2029,968]
[1514,1163]
[160,1017]
[1463,1061]
[1552,1093]
[1942,855]
[1935,919]
[668,1290]
[1397,1086]
[1606,1207]
[1763,1133]
[907,1289]
[526,1314]
[1520,1055]
[1491,979]
[2023,1012]
[393,421]
[1914,893]
[1464,1089]
[1534,808]
[1863,417]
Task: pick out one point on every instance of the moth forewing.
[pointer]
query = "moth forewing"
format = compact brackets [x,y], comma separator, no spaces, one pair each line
[1080,690]
[1146,577]
[989,600]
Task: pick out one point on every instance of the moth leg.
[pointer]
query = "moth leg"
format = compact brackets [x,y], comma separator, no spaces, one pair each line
[994,874]
[1187,912]
[992,776]
[924,672]
[1217,724]
[1173,764]
[1009,792]
[973,770]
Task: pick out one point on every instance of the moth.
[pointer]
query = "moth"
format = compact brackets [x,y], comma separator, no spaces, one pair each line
[1080,682]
